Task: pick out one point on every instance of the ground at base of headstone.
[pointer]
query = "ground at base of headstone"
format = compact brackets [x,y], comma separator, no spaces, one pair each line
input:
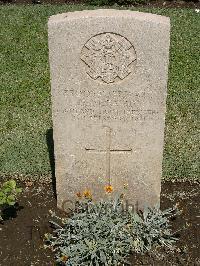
[23,229]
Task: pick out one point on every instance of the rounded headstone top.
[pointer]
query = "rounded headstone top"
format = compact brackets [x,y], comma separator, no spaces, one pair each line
[109,13]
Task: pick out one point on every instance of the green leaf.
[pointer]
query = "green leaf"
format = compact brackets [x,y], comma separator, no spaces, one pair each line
[11,200]
[2,201]
[18,190]
[1,194]
[12,183]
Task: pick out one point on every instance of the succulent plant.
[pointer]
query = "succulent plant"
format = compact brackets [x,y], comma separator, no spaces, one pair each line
[102,233]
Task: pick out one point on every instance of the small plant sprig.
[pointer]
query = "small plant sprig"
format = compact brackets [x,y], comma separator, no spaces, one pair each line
[8,195]
[103,233]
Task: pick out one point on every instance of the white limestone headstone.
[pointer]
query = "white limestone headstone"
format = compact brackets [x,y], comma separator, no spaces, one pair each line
[109,84]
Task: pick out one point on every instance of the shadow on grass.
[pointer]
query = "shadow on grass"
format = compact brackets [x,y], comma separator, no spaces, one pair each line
[50,145]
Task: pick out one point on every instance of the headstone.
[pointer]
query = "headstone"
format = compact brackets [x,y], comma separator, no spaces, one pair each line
[109,82]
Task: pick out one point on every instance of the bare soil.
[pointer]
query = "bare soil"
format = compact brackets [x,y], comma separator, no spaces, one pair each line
[22,232]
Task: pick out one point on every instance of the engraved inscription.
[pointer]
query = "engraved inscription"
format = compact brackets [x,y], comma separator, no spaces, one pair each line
[97,106]
[109,57]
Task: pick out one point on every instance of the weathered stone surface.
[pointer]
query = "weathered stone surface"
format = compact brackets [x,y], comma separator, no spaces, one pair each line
[109,79]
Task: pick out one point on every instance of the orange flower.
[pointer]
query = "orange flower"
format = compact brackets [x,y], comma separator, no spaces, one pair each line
[87,194]
[109,189]
[64,258]
[78,194]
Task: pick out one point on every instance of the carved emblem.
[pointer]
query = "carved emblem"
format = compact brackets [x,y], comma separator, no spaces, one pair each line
[108,57]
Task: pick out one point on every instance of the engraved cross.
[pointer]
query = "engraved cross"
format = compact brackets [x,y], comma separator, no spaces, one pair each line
[108,151]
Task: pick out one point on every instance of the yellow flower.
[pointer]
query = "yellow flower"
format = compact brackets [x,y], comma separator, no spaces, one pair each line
[109,189]
[64,258]
[87,194]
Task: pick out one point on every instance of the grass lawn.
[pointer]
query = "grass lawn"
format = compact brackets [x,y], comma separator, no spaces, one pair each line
[25,116]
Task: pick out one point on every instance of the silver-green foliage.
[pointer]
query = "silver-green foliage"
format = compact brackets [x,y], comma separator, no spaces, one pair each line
[150,228]
[103,233]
